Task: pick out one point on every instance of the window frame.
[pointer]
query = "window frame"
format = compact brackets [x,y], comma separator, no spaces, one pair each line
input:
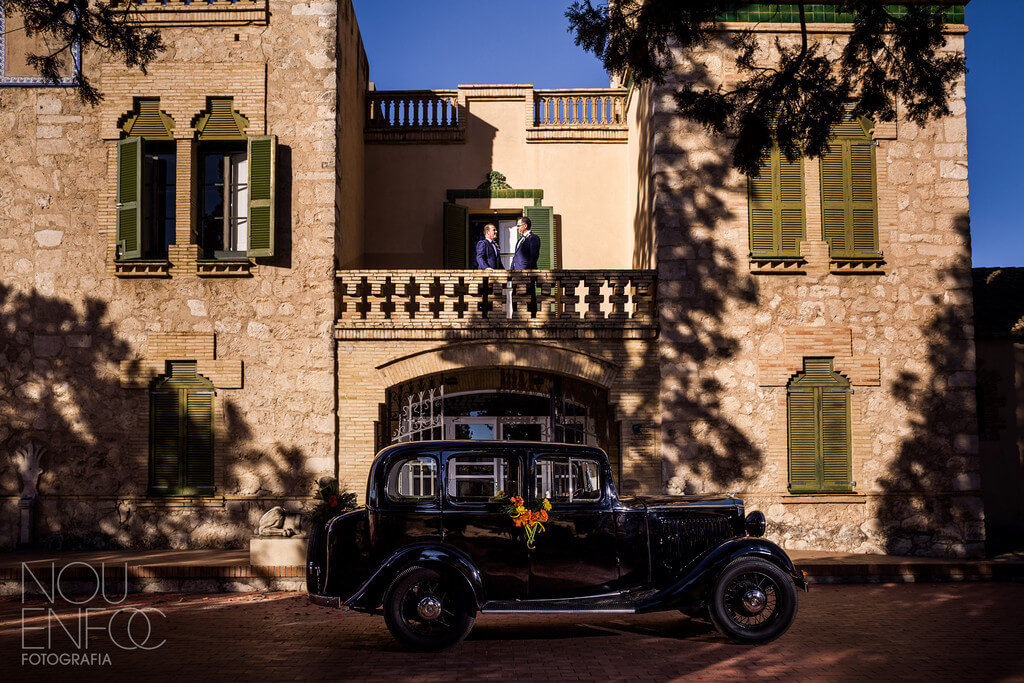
[226,150]
[514,477]
[804,383]
[169,383]
[425,503]
[599,502]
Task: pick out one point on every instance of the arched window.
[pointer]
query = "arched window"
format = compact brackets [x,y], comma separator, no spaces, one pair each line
[181,432]
[818,412]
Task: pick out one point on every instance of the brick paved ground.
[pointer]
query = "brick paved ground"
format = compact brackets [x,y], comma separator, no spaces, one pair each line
[922,631]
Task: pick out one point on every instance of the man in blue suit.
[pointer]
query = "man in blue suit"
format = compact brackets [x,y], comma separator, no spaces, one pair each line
[527,248]
[488,256]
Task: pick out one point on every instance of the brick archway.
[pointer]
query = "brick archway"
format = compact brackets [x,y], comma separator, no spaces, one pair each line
[525,355]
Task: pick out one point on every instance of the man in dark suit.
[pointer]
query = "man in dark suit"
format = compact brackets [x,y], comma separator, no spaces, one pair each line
[527,248]
[488,255]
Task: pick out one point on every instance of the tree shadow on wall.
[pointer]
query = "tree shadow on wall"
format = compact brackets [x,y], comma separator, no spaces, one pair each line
[931,502]
[60,388]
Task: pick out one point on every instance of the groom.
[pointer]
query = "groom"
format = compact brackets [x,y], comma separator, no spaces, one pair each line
[527,248]
[488,255]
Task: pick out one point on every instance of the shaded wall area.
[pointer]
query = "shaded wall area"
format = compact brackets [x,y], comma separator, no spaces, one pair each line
[999,329]
[724,320]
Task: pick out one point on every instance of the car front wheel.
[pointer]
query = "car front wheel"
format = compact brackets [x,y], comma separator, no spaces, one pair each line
[426,609]
[754,601]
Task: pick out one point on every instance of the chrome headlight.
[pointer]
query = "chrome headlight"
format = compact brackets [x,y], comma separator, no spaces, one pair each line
[755,523]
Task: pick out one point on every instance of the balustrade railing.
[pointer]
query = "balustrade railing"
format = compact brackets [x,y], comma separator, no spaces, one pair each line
[413,109]
[580,108]
[455,298]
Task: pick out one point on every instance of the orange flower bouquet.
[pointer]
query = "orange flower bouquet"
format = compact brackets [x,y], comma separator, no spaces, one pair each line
[531,520]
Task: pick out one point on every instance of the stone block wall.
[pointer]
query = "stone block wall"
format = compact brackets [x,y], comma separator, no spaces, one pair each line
[82,336]
[733,331]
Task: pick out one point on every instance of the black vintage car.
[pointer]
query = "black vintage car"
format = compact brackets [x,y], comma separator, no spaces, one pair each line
[456,528]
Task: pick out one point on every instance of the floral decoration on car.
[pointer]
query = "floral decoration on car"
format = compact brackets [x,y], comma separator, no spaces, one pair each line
[531,518]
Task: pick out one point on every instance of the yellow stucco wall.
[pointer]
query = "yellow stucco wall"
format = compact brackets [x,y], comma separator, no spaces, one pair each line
[586,183]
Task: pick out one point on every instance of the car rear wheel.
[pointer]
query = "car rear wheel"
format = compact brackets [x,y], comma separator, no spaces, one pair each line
[754,601]
[426,609]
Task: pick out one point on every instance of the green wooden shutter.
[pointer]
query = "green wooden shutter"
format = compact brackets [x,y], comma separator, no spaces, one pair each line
[262,181]
[542,223]
[834,414]
[834,200]
[165,431]
[456,236]
[803,440]
[849,196]
[863,200]
[761,203]
[792,219]
[199,440]
[776,205]
[129,198]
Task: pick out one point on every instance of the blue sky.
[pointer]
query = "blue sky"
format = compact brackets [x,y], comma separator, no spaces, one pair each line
[413,44]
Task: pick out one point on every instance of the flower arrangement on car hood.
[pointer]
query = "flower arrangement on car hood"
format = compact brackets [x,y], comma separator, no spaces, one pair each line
[530,518]
[331,500]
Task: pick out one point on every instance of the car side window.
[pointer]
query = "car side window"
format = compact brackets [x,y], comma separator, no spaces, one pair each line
[413,480]
[472,478]
[567,480]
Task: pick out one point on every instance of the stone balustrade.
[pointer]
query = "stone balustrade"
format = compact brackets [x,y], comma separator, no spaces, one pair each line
[558,303]
[432,116]
[604,107]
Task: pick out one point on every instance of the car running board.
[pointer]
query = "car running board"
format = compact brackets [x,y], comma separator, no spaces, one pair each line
[602,604]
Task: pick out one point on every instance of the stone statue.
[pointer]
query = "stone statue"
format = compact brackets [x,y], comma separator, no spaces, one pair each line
[28,459]
[278,522]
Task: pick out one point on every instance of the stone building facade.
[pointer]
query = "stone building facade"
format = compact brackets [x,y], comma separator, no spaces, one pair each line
[834,390]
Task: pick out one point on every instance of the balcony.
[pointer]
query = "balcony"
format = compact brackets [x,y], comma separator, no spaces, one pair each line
[440,116]
[468,304]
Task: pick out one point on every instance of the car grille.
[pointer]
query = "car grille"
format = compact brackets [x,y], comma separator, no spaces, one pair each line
[681,540]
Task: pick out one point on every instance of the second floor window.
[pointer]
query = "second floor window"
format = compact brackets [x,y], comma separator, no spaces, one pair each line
[224,231]
[146,184]
[849,199]
[777,213]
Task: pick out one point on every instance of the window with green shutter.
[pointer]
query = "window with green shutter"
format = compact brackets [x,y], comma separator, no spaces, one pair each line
[146,183]
[456,236]
[818,421]
[181,432]
[778,216]
[849,194]
[237,179]
[542,224]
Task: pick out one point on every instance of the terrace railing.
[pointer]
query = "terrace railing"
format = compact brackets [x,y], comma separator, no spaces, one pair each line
[580,108]
[405,112]
[582,302]
[430,116]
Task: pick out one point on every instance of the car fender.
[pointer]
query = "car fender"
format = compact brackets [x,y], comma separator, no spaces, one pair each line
[370,595]
[698,579]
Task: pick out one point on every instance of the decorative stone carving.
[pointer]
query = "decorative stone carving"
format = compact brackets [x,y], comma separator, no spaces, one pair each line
[278,522]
